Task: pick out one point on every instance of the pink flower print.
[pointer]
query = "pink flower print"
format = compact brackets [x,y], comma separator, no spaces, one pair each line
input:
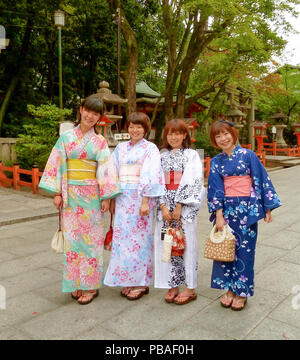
[243,278]
[79,210]
[136,247]
[123,275]
[83,155]
[130,210]
[70,147]
[142,224]
[71,256]
[117,232]
[93,262]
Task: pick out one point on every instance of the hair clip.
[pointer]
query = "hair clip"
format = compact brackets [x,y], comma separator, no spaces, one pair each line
[230,123]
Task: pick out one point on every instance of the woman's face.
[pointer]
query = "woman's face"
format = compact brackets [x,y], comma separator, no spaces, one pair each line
[224,140]
[136,132]
[175,139]
[89,118]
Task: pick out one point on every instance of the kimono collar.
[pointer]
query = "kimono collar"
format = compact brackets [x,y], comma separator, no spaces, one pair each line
[234,151]
[138,143]
[80,134]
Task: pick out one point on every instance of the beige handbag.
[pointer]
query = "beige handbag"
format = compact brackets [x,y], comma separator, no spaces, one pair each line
[58,242]
[220,245]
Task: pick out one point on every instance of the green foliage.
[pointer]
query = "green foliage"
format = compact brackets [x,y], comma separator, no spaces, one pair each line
[40,135]
[203,142]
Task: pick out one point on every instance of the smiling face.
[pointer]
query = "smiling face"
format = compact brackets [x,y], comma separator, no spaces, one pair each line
[89,119]
[224,141]
[136,132]
[175,139]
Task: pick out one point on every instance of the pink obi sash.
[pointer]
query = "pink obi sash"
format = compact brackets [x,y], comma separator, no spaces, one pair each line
[172,179]
[237,185]
[130,173]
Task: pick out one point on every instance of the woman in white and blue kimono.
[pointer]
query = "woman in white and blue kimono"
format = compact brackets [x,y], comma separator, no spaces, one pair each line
[240,193]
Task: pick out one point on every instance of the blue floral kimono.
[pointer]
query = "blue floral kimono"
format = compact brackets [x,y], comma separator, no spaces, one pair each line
[242,214]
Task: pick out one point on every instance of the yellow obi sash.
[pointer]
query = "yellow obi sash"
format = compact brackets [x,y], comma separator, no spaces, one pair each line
[81,169]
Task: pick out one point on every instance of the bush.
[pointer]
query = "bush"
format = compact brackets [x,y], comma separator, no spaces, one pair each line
[40,135]
[203,142]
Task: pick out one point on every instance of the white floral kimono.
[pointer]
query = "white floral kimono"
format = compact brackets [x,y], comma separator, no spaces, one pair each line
[190,193]
[140,175]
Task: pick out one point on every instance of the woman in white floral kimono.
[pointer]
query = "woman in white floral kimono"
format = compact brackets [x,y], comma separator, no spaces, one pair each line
[183,196]
[141,178]
[82,177]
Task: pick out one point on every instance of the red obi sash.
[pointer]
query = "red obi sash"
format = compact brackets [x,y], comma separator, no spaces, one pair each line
[237,185]
[172,179]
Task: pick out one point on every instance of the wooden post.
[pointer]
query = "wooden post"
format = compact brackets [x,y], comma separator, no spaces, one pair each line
[16,177]
[274,148]
[35,179]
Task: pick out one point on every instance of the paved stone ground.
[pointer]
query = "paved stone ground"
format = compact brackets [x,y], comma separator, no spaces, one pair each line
[31,275]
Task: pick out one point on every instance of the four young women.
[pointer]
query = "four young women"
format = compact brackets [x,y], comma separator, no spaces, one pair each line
[137,179]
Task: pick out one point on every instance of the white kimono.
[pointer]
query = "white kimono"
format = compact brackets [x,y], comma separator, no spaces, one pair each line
[190,193]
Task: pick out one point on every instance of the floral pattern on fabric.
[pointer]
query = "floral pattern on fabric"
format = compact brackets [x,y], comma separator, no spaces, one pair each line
[242,215]
[82,219]
[132,246]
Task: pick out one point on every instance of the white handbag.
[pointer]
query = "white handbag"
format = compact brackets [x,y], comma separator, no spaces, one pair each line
[167,248]
[220,245]
[58,242]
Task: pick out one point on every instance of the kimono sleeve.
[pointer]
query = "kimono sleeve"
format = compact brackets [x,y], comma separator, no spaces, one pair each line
[151,176]
[191,191]
[215,195]
[262,184]
[106,173]
[52,179]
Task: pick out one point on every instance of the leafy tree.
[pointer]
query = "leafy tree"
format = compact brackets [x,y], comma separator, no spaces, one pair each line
[40,135]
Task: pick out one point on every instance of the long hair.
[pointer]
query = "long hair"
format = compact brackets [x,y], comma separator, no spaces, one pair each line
[174,126]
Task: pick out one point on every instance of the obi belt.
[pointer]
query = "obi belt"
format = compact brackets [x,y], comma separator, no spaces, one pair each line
[237,185]
[81,169]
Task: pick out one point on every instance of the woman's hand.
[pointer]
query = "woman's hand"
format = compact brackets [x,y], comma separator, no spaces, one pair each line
[145,208]
[105,205]
[166,214]
[112,206]
[268,218]
[177,212]
[220,221]
[57,201]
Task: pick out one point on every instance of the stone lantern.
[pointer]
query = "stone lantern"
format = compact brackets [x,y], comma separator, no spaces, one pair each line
[279,118]
[260,133]
[110,103]
[236,116]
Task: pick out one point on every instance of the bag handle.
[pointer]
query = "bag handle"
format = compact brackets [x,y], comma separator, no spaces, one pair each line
[212,233]
[59,219]
[179,224]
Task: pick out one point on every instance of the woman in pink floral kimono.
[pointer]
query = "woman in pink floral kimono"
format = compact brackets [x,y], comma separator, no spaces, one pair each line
[82,178]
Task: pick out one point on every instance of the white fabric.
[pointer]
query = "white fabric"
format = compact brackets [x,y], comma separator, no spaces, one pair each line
[190,256]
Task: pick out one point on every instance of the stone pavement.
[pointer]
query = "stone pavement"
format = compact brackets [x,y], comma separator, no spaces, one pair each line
[31,276]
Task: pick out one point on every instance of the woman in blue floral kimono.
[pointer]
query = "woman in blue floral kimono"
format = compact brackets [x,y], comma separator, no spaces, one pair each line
[240,193]
[141,178]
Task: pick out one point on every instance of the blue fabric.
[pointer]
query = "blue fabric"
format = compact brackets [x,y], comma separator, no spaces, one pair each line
[242,215]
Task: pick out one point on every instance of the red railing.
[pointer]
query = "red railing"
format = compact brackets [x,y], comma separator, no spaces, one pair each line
[16,181]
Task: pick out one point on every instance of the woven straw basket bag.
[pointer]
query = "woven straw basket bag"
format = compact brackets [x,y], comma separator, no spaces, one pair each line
[220,245]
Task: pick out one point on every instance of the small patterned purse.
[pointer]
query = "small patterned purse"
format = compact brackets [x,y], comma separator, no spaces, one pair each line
[220,245]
